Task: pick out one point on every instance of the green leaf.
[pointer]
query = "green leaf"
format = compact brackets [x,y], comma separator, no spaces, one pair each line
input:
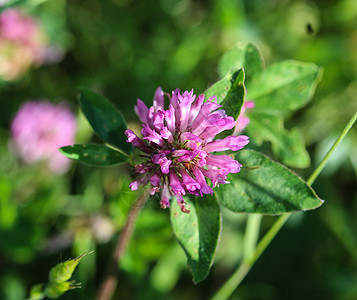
[220,89]
[266,187]
[94,154]
[105,119]
[198,232]
[233,102]
[284,86]
[287,145]
[230,92]
[277,90]
[244,55]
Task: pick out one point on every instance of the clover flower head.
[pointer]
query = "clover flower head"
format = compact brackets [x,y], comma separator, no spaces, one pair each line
[39,128]
[178,145]
[22,43]
[17,26]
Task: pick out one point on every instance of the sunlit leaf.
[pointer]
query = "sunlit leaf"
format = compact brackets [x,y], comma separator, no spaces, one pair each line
[280,88]
[220,89]
[93,154]
[287,145]
[266,187]
[284,86]
[198,232]
[244,55]
[104,118]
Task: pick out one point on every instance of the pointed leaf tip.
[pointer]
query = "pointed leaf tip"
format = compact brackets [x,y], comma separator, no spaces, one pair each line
[94,154]
[230,92]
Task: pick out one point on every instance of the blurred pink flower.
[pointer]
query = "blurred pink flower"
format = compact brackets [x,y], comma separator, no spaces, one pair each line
[39,128]
[178,145]
[17,27]
[22,43]
[243,120]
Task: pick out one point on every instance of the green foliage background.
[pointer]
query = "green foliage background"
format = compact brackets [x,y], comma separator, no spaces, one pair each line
[125,49]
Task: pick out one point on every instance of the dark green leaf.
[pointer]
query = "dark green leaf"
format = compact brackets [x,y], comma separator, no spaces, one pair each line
[287,145]
[230,92]
[233,102]
[284,86]
[105,119]
[198,232]
[243,55]
[266,187]
[93,154]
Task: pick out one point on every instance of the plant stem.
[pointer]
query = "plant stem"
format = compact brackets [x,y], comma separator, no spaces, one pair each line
[322,164]
[110,282]
[248,261]
[251,234]
[234,281]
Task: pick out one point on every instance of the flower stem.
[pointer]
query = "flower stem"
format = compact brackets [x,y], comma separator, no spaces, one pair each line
[322,164]
[251,234]
[110,282]
[248,261]
[234,281]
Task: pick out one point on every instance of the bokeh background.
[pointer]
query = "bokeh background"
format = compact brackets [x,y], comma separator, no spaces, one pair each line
[125,49]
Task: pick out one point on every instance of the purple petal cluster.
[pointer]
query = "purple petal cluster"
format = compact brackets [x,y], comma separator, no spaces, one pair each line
[179,146]
[38,129]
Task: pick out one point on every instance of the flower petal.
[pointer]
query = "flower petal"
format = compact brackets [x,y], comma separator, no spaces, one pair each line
[175,185]
[159,100]
[136,141]
[142,111]
[233,143]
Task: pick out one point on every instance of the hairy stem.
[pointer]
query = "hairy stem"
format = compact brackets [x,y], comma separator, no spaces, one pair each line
[110,282]
[248,261]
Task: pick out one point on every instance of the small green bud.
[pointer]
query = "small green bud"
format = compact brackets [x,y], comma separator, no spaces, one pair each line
[58,280]
[36,292]
[56,289]
[63,271]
